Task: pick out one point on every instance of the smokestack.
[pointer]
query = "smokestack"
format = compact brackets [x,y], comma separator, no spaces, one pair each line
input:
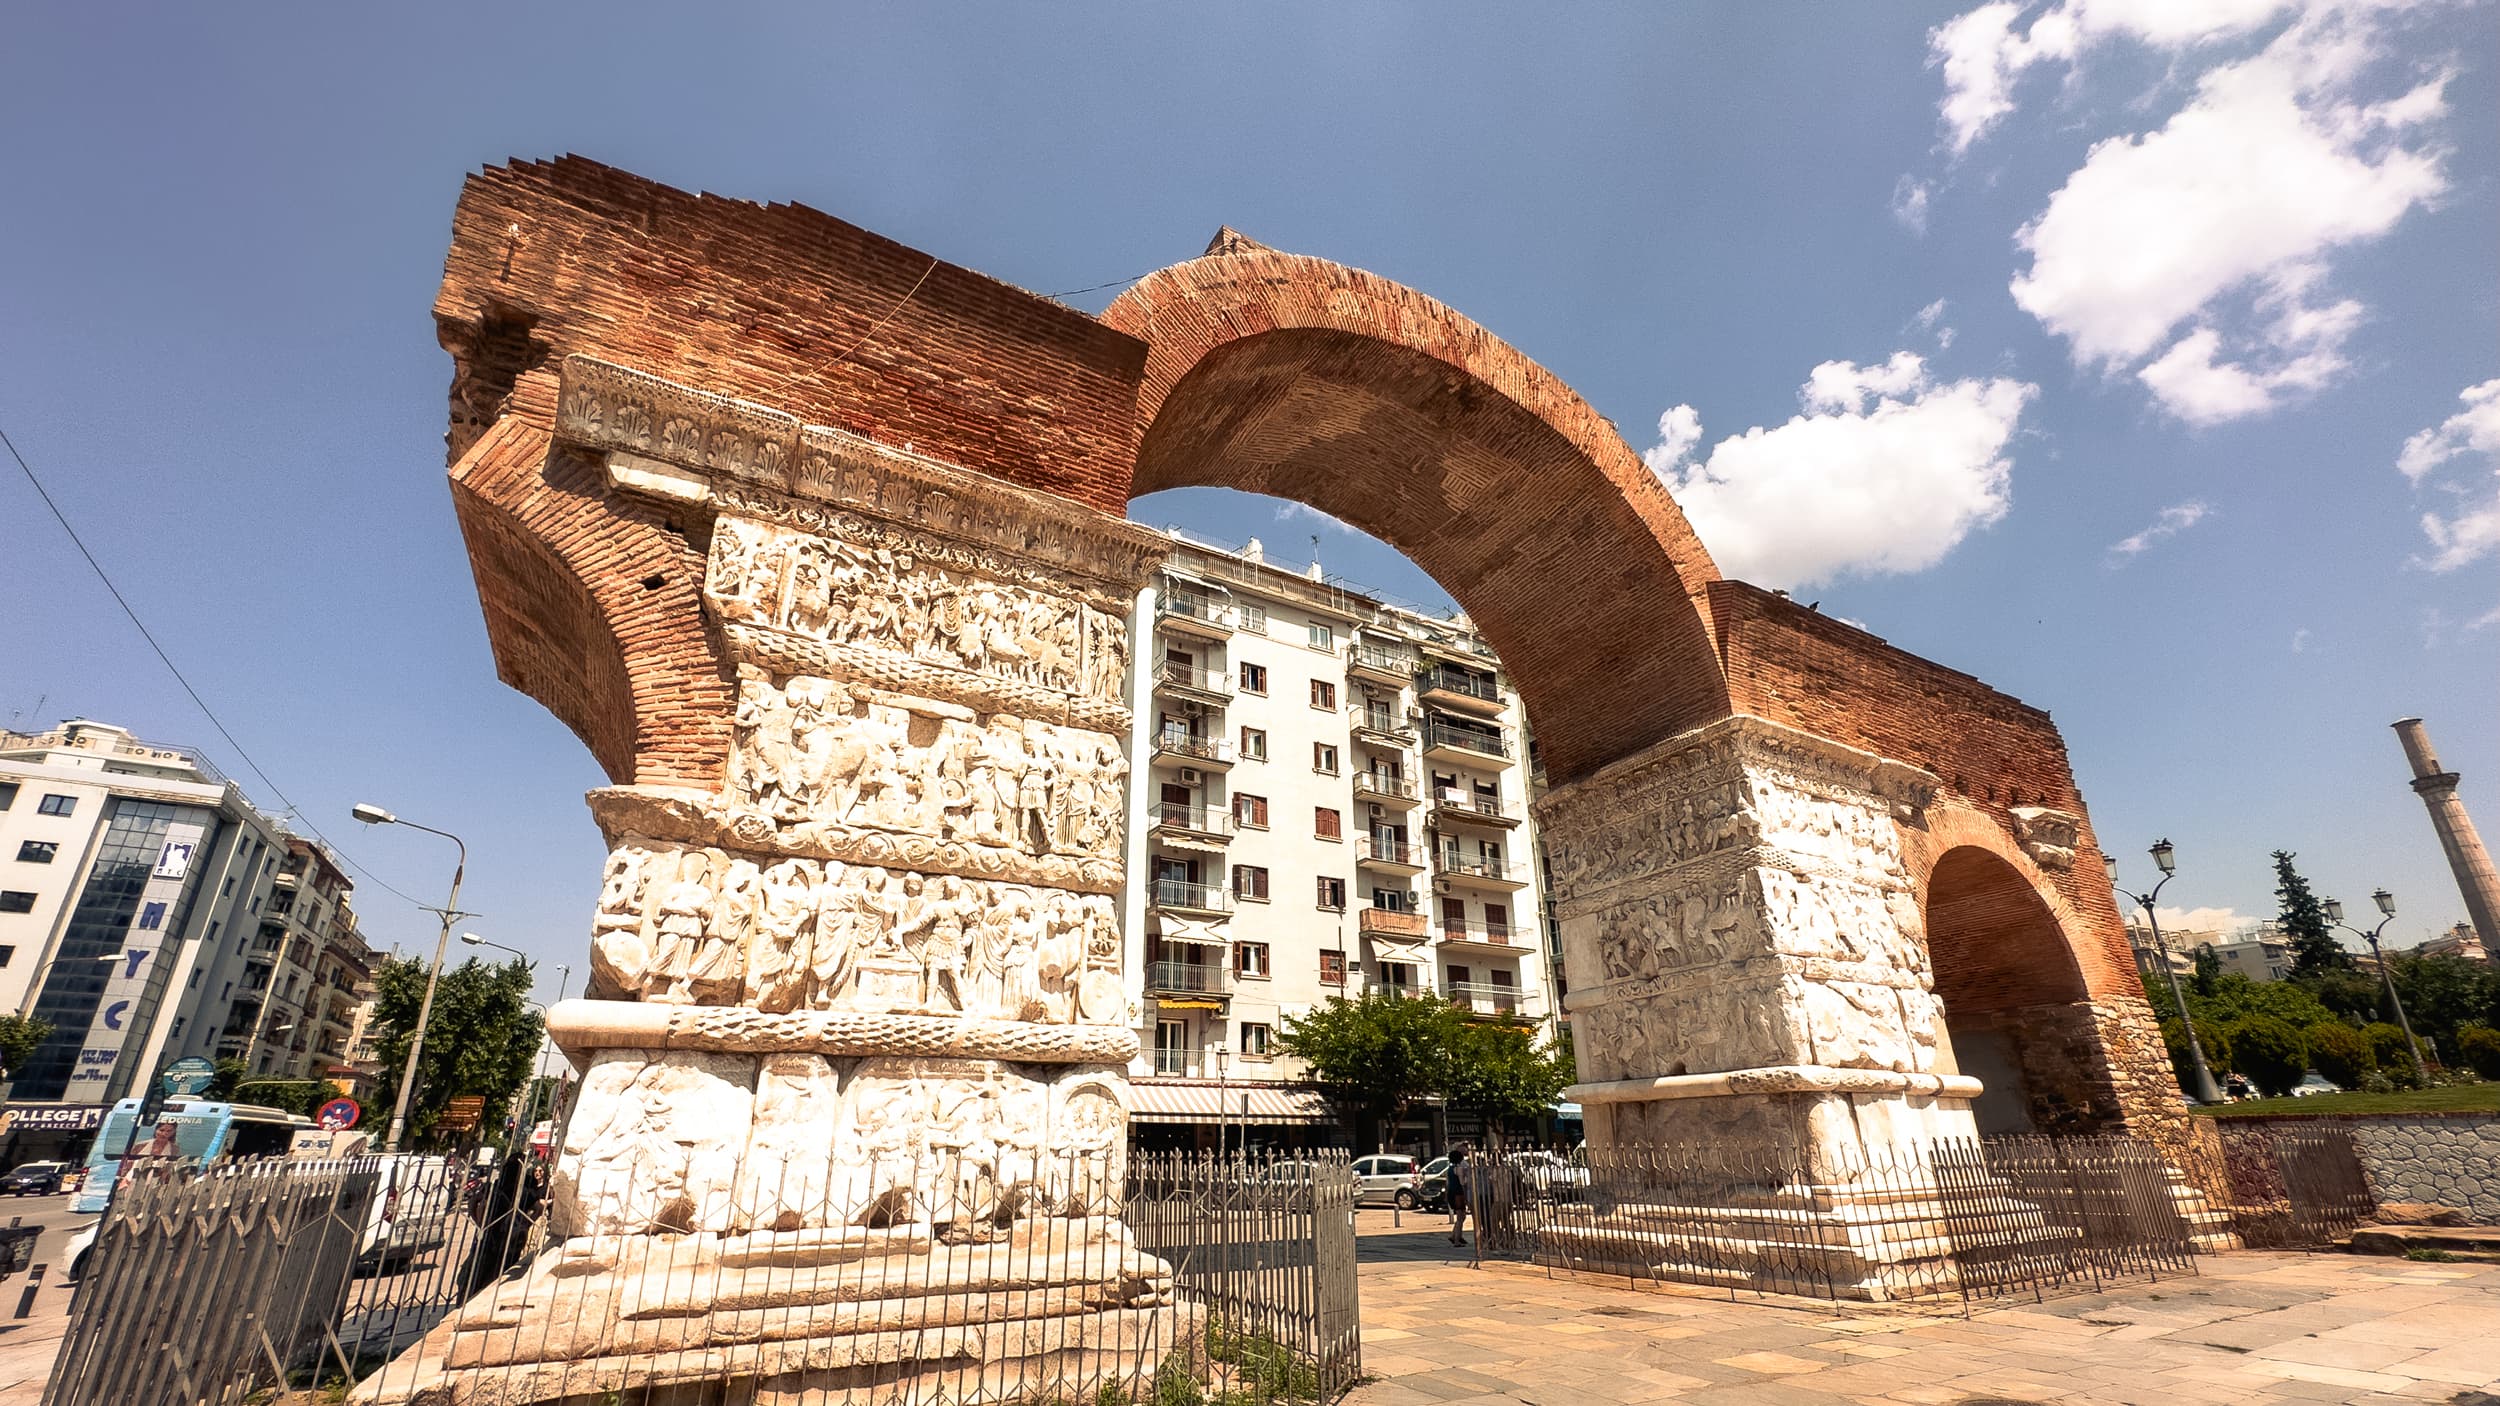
[2467,858]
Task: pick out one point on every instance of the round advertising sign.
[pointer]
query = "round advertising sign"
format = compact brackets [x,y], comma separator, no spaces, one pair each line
[339,1114]
[189,1075]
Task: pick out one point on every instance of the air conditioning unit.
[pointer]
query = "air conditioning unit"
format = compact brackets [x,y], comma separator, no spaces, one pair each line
[1193,708]
[1375,807]
[1192,776]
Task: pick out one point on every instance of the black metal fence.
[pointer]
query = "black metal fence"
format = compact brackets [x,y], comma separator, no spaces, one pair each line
[1045,1279]
[2287,1187]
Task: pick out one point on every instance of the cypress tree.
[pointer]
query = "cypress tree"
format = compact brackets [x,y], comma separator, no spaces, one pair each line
[2303,920]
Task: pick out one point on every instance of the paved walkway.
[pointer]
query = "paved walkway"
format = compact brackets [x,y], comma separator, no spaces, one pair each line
[2252,1327]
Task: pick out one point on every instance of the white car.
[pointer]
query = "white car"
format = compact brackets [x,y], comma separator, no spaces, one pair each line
[75,1253]
[1388,1177]
[2313,1084]
[1551,1176]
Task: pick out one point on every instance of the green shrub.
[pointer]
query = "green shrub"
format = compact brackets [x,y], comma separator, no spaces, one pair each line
[2478,1049]
[2339,1052]
[2388,1049]
[2270,1052]
[2212,1034]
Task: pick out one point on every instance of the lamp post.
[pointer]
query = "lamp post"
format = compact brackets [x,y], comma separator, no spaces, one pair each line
[375,815]
[2387,914]
[2201,1075]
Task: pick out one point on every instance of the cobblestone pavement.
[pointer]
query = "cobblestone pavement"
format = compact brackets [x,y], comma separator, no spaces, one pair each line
[2251,1327]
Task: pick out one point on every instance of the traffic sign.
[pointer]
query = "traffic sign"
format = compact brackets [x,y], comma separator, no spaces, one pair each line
[339,1114]
[188,1076]
[461,1114]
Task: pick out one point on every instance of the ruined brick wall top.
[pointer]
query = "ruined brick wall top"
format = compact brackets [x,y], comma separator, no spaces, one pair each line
[770,303]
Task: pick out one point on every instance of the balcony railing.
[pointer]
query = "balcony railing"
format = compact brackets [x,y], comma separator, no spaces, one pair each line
[1199,898]
[1485,998]
[1379,786]
[1383,725]
[1375,850]
[1391,922]
[1406,990]
[1190,678]
[1174,1062]
[1183,606]
[1459,682]
[1483,867]
[1470,806]
[1175,743]
[1197,820]
[1489,934]
[1387,663]
[1489,742]
[1186,978]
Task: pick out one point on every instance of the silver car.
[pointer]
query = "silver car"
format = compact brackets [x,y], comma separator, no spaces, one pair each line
[1386,1178]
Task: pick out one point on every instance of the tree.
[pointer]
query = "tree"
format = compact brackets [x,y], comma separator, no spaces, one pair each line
[20,1037]
[2270,1052]
[2478,1049]
[2303,920]
[1500,1071]
[1378,1055]
[300,1096]
[2388,1048]
[2443,992]
[227,1075]
[2339,1052]
[2208,970]
[480,1043]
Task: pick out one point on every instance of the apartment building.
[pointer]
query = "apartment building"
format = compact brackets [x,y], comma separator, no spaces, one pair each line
[132,878]
[1329,797]
[295,1011]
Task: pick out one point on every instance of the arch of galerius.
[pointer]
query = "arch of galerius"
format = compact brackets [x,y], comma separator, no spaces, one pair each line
[816,541]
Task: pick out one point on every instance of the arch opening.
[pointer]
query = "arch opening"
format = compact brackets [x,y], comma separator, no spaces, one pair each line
[2016,1009]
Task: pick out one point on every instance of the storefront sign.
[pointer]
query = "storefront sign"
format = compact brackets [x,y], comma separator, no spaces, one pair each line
[53,1118]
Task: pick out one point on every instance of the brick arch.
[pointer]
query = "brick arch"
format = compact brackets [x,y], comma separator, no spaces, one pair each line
[1998,934]
[1303,379]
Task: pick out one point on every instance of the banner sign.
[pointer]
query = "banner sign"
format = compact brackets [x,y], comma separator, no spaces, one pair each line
[53,1118]
[126,982]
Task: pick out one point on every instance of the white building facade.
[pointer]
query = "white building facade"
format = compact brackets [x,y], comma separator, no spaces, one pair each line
[1329,796]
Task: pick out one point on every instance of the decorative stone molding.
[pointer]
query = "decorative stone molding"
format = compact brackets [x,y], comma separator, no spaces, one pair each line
[582,1027]
[1783,1079]
[2048,836]
[791,654]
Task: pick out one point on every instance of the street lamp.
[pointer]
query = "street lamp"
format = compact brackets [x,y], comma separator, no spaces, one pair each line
[2201,1075]
[2387,914]
[375,815]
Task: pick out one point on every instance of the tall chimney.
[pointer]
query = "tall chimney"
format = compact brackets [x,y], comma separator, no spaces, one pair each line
[2467,858]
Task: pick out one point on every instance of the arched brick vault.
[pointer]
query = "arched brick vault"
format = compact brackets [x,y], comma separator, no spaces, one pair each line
[1292,376]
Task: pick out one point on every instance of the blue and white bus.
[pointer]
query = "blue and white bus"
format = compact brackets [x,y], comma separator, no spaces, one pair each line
[188,1133]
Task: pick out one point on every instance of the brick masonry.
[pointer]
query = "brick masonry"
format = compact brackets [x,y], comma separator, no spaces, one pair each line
[1252,369]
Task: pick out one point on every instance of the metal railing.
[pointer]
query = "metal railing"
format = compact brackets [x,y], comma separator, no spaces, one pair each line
[1373,783]
[1174,742]
[1440,680]
[1383,722]
[1477,930]
[2285,1187]
[1489,741]
[1407,990]
[1483,867]
[1175,674]
[1398,922]
[1485,997]
[1380,851]
[1173,1062]
[1188,978]
[1184,893]
[1380,661]
[1202,820]
[1193,607]
[1466,803]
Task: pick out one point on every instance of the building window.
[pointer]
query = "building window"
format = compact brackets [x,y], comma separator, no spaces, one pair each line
[1332,894]
[152,917]
[1327,823]
[1254,744]
[1323,759]
[1323,694]
[1250,959]
[1332,968]
[5,954]
[1254,678]
[1254,1038]
[178,1020]
[228,890]
[1250,882]
[1323,637]
[16,901]
[1249,812]
[37,851]
[213,925]
[57,805]
[8,794]
[1254,619]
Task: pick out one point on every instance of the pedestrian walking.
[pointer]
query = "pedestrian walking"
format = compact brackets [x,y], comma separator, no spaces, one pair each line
[1460,1195]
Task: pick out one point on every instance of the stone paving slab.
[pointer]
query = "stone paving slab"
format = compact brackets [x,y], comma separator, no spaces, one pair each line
[2252,1328]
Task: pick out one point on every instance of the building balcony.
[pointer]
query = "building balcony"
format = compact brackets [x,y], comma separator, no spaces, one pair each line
[1480,872]
[1475,932]
[1441,686]
[1190,681]
[1392,923]
[1374,852]
[1172,820]
[1172,1062]
[1188,979]
[1385,789]
[1484,998]
[1403,990]
[1377,665]
[1449,742]
[1174,747]
[1382,727]
[1196,616]
[1461,807]
[1182,896]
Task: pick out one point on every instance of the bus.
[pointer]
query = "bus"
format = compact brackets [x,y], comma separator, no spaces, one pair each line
[190,1133]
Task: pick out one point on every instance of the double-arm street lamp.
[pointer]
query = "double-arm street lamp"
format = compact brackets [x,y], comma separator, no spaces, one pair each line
[2387,914]
[375,815]
[2201,1075]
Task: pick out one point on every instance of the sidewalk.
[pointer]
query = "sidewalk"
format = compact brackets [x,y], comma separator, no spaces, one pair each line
[2252,1327]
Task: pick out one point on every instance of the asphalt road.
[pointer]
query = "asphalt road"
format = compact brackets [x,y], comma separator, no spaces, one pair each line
[28,1344]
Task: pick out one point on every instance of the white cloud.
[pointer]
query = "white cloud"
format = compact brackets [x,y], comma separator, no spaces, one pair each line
[1887,471]
[1909,204]
[2175,921]
[2300,640]
[2473,530]
[2170,522]
[1930,320]
[1678,431]
[2196,256]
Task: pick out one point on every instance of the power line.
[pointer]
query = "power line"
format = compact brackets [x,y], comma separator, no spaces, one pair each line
[167,660]
[1096,288]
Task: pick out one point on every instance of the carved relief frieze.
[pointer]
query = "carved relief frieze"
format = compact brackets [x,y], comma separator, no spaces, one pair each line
[2048,836]
[707,927]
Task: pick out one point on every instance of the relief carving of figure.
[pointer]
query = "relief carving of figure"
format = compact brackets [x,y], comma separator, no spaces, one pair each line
[779,956]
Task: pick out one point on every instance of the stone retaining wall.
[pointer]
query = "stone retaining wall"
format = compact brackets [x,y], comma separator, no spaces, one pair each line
[2450,1158]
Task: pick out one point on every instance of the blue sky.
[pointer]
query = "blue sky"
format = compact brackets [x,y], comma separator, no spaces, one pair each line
[1939,305]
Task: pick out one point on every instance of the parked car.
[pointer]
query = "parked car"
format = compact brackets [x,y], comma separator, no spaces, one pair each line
[411,1211]
[2313,1084]
[1436,1188]
[1550,1176]
[1388,1178]
[35,1179]
[81,1245]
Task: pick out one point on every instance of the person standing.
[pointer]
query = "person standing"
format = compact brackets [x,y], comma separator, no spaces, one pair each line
[1460,1194]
